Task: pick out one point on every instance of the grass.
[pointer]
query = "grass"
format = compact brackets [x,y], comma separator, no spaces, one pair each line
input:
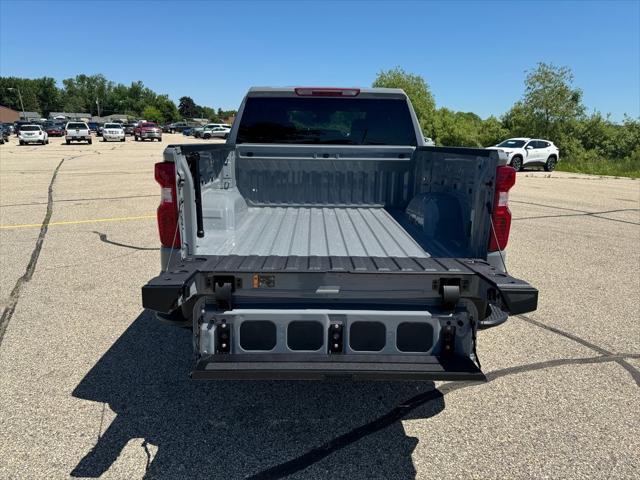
[627,167]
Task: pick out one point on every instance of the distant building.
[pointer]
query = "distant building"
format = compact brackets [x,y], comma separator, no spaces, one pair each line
[84,117]
[116,117]
[29,116]
[8,115]
[229,119]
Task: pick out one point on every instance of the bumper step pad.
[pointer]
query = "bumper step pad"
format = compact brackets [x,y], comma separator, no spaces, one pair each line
[327,367]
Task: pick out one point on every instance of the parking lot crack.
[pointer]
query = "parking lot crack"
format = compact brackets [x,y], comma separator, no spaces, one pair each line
[14,296]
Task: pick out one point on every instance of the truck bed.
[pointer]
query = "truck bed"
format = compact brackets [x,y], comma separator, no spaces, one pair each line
[307,232]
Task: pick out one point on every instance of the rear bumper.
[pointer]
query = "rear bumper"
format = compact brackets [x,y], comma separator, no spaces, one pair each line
[328,367]
[110,136]
[317,318]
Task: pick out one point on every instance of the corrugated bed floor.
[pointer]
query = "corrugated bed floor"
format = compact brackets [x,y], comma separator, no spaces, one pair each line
[356,232]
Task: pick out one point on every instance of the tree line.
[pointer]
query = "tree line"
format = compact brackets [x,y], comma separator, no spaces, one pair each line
[95,95]
[551,107]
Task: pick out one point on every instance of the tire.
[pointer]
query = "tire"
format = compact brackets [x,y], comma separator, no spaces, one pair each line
[550,166]
[206,136]
[516,162]
[46,142]
[135,137]
[21,142]
[159,139]
[226,135]
[122,139]
[90,142]
[68,142]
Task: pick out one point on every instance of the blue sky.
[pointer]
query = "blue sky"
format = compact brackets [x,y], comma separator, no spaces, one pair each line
[472,54]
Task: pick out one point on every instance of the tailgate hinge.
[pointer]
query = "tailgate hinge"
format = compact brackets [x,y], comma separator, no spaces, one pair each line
[450,295]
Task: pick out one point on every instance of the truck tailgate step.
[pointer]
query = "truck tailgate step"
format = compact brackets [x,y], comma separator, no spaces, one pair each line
[327,367]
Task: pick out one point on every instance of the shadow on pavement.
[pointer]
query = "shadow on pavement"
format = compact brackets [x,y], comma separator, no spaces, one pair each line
[238,429]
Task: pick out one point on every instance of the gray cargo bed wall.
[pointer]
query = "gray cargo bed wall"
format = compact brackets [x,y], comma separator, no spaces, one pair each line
[441,196]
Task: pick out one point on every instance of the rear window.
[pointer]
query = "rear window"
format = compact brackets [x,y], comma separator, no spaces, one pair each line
[77,125]
[329,121]
[29,128]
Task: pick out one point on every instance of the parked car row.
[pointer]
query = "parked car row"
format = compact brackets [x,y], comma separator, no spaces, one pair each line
[179,127]
[210,130]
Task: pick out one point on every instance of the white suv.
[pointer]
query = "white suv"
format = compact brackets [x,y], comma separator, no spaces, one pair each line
[77,132]
[32,134]
[528,152]
[220,131]
[112,131]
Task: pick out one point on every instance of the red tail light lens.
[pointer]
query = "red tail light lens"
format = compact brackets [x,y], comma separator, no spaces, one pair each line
[501,216]
[165,173]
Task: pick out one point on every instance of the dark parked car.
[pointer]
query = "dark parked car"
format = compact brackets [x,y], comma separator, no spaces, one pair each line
[55,130]
[10,128]
[4,134]
[99,129]
[93,126]
[176,127]
[128,128]
[19,124]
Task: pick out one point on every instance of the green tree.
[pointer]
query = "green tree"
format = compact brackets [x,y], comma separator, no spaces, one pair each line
[207,112]
[551,105]
[418,92]
[9,96]
[492,132]
[167,108]
[152,114]
[187,107]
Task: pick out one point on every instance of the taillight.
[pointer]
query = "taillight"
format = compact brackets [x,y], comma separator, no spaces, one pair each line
[501,216]
[165,173]
[327,92]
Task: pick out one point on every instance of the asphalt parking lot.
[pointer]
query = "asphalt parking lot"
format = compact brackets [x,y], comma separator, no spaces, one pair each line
[91,385]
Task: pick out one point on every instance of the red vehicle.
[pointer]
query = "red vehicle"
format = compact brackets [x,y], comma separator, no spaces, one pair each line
[56,130]
[147,130]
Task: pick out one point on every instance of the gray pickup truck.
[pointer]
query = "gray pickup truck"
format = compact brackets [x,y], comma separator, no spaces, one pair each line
[324,240]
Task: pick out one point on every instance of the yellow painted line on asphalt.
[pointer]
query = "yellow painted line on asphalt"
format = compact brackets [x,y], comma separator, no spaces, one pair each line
[77,222]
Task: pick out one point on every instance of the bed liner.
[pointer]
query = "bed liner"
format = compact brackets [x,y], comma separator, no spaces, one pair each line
[304,231]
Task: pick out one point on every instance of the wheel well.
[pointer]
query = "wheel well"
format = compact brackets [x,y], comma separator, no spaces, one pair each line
[553,155]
